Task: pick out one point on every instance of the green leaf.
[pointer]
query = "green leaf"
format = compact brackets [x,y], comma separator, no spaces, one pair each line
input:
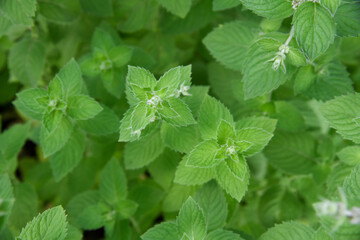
[142,152]
[102,41]
[141,116]
[343,114]
[192,175]
[26,102]
[224,131]
[350,155]
[65,160]
[322,234]
[126,208]
[258,138]
[228,43]
[112,185]
[231,183]
[120,55]
[194,102]
[273,9]
[314,29]
[61,12]
[289,117]
[212,201]
[173,79]
[12,140]
[179,8]
[80,202]
[92,217]
[305,78]
[139,78]
[181,139]
[191,221]
[82,107]
[223,235]
[268,124]
[176,197]
[351,185]
[292,152]
[70,78]
[219,5]
[51,119]
[104,123]
[103,9]
[203,155]
[7,199]
[288,231]
[52,142]
[51,224]
[163,231]
[332,5]
[278,204]
[259,76]
[347,19]
[211,113]
[332,80]
[183,115]
[27,60]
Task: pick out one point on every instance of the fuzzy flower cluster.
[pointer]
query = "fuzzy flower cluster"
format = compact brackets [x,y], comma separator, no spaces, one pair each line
[338,210]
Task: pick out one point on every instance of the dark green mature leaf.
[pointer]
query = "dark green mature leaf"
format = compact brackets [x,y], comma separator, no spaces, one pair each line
[103,8]
[228,43]
[314,29]
[347,19]
[219,5]
[288,231]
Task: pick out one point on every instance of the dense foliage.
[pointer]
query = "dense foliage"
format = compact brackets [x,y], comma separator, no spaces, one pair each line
[180,119]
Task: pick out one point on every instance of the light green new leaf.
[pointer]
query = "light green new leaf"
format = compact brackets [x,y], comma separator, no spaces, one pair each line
[268,124]
[343,114]
[52,119]
[181,139]
[140,78]
[350,155]
[179,8]
[52,142]
[173,79]
[219,5]
[292,152]
[163,231]
[27,59]
[273,9]
[183,114]
[228,43]
[223,235]
[258,138]
[102,41]
[212,201]
[314,29]
[127,134]
[7,199]
[192,175]
[288,231]
[191,221]
[211,113]
[51,224]
[27,104]
[203,155]
[142,152]
[112,185]
[224,131]
[65,160]
[230,183]
[82,107]
[140,117]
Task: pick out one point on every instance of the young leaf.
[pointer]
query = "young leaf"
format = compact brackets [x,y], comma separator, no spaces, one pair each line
[223,235]
[191,222]
[350,155]
[179,8]
[112,186]
[173,79]
[51,224]
[203,155]
[211,113]
[231,183]
[51,119]
[258,138]
[192,175]
[82,107]
[332,5]
[183,115]
[102,41]
[314,28]
[27,102]
[139,78]
[343,115]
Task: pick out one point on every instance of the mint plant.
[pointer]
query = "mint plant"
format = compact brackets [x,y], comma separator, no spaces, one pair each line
[179,120]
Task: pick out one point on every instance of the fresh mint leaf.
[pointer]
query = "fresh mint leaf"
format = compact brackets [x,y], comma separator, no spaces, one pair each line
[275,9]
[82,107]
[7,199]
[178,8]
